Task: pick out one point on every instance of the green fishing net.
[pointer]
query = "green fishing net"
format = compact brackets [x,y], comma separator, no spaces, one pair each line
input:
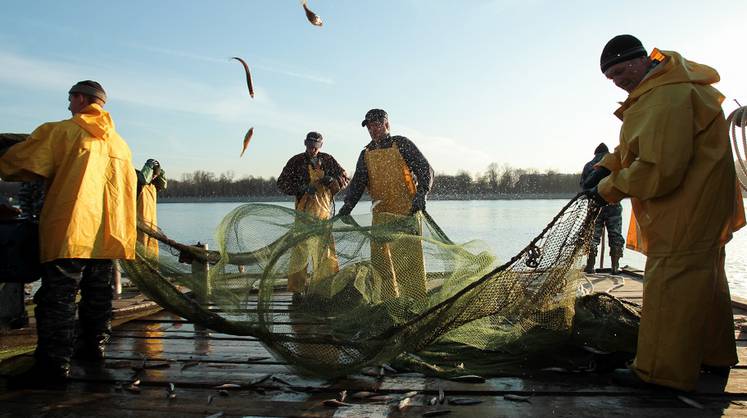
[330,297]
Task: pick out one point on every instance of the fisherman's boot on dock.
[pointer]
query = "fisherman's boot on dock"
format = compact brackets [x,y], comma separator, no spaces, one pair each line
[590,264]
[91,349]
[615,254]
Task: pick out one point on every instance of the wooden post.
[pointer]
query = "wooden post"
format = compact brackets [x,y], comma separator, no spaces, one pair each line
[117,280]
[200,273]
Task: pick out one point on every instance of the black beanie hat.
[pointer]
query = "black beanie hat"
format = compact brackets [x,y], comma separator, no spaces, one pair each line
[619,49]
[601,148]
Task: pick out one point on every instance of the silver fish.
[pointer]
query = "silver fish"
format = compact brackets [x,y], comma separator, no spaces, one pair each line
[516,398]
[690,402]
[227,386]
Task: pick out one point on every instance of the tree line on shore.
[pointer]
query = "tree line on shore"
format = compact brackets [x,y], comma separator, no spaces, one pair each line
[496,180]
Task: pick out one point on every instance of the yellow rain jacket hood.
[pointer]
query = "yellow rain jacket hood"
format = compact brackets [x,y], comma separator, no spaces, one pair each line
[675,162]
[89,208]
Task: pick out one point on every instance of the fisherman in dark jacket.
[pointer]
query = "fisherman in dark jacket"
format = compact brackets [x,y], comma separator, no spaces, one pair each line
[314,178]
[398,178]
[610,217]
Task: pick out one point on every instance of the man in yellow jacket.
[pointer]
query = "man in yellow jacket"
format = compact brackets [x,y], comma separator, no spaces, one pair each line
[675,163]
[150,180]
[87,221]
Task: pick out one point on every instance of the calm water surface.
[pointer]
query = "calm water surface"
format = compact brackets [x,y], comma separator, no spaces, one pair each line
[506,226]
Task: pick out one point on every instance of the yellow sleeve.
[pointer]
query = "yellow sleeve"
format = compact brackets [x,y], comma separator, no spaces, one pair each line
[662,133]
[32,159]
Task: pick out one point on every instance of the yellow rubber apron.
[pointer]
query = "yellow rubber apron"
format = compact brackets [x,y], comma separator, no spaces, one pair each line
[398,265]
[148,215]
[321,249]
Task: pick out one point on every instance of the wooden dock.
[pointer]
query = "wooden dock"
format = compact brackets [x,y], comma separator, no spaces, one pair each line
[161,349]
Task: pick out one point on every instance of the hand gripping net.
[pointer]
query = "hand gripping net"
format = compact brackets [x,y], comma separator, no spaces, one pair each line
[365,293]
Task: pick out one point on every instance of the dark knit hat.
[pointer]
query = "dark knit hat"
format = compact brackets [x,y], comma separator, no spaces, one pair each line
[601,148]
[89,88]
[621,48]
[314,138]
[374,115]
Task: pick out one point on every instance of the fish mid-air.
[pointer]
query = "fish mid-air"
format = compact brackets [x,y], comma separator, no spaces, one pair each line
[247,138]
[249,83]
[313,18]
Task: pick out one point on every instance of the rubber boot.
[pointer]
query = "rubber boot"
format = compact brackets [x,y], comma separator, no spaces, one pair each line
[615,265]
[590,264]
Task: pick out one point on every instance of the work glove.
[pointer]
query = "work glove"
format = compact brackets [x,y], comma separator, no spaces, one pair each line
[595,177]
[326,180]
[594,196]
[418,204]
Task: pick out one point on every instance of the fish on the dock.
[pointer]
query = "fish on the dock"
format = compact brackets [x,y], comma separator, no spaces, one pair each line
[189,364]
[593,350]
[441,396]
[227,386]
[464,401]
[334,403]
[437,413]
[362,395]
[516,398]
[469,378]
[157,365]
[171,388]
[259,380]
[404,403]
[249,83]
[247,138]
[389,368]
[281,381]
[312,17]
[433,401]
[690,402]
[210,399]
[135,382]
[555,369]
[342,396]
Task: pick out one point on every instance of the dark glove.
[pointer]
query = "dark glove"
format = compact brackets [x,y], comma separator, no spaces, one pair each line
[326,180]
[595,177]
[594,196]
[418,204]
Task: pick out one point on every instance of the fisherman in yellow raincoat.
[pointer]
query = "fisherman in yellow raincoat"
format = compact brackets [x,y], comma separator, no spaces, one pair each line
[150,180]
[314,177]
[87,221]
[675,162]
[398,178]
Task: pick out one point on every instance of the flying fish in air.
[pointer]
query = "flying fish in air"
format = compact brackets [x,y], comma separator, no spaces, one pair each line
[249,83]
[247,138]
[313,18]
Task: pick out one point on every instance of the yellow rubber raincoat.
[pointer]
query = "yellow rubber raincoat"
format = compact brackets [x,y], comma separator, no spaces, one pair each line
[89,208]
[321,249]
[674,161]
[399,263]
[148,215]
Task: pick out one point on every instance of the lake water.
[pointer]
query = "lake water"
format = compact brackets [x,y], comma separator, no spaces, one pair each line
[506,226]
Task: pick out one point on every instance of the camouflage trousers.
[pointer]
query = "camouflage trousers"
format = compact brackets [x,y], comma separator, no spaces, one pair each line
[610,217]
[55,306]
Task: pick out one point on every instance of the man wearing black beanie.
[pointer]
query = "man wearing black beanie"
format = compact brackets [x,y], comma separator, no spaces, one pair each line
[674,162]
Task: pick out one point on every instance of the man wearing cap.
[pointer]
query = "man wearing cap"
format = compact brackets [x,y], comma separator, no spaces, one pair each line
[674,162]
[610,217]
[398,178]
[150,180]
[87,221]
[314,178]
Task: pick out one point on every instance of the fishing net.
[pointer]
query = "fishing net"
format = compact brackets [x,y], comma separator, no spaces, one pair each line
[371,289]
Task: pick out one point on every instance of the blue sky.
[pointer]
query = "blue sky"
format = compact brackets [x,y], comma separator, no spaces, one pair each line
[470,82]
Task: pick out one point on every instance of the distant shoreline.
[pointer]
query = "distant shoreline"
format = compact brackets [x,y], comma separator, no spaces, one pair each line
[463,197]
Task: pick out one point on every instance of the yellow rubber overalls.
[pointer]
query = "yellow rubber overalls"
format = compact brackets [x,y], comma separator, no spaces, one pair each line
[398,265]
[148,215]
[320,248]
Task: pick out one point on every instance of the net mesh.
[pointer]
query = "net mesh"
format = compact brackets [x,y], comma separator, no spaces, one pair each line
[330,297]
